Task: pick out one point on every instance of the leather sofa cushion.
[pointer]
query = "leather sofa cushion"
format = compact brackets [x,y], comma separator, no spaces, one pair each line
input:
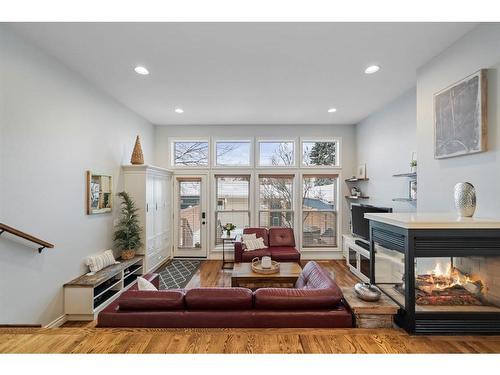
[219,299]
[281,237]
[247,256]
[295,299]
[259,233]
[285,254]
[152,300]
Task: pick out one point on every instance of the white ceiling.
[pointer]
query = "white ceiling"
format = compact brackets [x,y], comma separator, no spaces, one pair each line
[247,73]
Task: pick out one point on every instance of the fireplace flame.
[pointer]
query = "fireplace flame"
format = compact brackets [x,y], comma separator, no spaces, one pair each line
[449,278]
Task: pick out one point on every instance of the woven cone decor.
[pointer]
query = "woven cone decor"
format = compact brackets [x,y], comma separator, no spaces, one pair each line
[137,156]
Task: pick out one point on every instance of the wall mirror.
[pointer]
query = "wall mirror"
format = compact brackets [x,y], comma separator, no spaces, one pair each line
[99,193]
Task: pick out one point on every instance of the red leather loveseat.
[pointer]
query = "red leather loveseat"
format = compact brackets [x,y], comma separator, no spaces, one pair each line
[280,244]
[316,301]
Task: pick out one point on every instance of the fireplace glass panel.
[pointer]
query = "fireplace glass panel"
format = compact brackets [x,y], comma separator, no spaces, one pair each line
[457,284]
[389,272]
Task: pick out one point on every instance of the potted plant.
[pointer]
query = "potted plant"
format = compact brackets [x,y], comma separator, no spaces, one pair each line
[127,236]
[413,166]
[228,228]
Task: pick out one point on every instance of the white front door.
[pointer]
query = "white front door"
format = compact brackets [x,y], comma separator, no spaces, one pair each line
[190,216]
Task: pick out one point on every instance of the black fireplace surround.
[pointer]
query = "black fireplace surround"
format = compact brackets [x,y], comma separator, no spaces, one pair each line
[453,274]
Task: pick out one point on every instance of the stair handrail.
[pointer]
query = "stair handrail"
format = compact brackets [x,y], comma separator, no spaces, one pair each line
[16,232]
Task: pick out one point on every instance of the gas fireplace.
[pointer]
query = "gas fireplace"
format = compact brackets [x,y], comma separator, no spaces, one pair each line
[444,280]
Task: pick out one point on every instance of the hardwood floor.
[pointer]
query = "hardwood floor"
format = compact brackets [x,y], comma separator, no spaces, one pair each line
[77,337]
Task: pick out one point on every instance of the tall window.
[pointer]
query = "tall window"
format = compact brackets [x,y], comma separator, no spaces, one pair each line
[276,153]
[232,153]
[190,154]
[276,201]
[319,211]
[320,154]
[233,203]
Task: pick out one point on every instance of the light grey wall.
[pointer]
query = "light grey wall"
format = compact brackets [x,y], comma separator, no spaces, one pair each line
[345,132]
[476,50]
[385,141]
[57,127]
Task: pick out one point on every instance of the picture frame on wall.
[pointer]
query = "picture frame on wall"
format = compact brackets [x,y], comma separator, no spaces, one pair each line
[361,171]
[461,117]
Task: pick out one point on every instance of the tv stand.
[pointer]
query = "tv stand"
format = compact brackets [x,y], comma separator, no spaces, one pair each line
[363,244]
[357,256]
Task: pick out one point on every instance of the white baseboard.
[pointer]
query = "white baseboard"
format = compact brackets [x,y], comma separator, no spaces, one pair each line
[304,255]
[57,322]
[321,255]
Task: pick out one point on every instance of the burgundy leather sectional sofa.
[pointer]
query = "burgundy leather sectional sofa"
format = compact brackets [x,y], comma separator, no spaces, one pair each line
[316,301]
[280,244]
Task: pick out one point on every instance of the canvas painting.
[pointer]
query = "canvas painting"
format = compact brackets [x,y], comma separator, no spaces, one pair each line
[460,117]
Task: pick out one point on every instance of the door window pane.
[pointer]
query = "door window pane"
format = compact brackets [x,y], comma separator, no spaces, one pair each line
[276,153]
[322,153]
[232,153]
[190,154]
[189,214]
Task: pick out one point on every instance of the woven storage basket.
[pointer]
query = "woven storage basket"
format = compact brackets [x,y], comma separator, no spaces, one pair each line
[257,267]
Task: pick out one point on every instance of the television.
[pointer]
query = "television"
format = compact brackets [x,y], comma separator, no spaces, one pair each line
[360,225]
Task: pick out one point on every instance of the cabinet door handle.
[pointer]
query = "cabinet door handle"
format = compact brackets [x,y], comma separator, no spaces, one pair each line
[147,207]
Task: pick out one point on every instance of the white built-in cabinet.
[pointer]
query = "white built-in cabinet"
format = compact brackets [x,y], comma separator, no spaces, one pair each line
[151,189]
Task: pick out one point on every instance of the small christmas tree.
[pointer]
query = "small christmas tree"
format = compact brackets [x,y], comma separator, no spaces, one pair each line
[127,236]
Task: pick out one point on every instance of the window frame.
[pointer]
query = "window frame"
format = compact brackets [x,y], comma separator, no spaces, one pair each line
[173,141]
[257,207]
[338,211]
[215,140]
[338,142]
[259,140]
[215,199]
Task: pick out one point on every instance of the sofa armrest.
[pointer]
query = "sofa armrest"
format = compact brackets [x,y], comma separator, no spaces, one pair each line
[238,252]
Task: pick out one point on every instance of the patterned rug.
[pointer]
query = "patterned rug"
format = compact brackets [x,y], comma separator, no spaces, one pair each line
[178,273]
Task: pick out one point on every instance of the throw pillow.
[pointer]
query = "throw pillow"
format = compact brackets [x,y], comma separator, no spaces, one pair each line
[255,244]
[143,284]
[246,237]
[98,262]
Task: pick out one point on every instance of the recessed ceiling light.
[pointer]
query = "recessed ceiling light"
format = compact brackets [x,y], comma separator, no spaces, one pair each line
[179,110]
[332,110]
[141,70]
[372,69]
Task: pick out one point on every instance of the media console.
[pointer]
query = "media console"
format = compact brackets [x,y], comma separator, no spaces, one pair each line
[357,257]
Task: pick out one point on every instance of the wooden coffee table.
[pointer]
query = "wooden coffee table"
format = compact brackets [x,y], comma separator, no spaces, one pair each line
[243,276]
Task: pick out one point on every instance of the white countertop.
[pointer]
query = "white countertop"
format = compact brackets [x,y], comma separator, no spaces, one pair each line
[433,220]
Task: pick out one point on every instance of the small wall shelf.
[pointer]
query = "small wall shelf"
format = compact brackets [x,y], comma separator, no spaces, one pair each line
[356,179]
[412,176]
[409,175]
[355,198]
